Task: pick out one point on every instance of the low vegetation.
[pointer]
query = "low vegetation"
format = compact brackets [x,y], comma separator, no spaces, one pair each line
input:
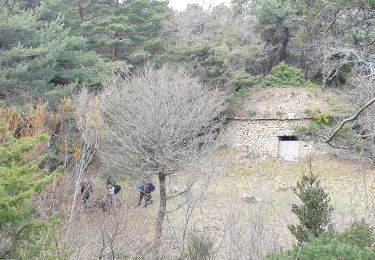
[284,75]
[356,242]
[315,212]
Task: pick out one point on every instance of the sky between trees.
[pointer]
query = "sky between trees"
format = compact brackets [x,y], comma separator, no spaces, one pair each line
[180,5]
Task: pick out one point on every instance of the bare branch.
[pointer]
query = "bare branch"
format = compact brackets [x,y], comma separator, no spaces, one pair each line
[159,122]
[352,118]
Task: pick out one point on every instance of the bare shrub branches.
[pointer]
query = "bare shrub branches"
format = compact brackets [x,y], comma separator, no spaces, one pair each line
[349,119]
[89,122]
[159,120]
[197,26]
[336,57]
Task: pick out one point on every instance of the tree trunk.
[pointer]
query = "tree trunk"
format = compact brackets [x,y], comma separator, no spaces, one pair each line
[80,9]
[306,71]
[161,214]
[284,43]
[115,46]
[304,65]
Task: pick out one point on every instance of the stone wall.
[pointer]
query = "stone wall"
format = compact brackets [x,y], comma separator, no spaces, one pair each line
[261,136]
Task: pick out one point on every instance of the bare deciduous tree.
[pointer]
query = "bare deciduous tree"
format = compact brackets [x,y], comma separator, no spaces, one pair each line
[197,26]
[361,92]
[88,119]
[158,123]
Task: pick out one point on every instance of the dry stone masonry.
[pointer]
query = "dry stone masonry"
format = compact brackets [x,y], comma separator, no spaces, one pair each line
[263,136]
[264,124]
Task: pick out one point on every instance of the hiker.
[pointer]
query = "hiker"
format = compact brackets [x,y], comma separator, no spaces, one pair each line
[112,190]
[145,190]
[86,190]
[117,187]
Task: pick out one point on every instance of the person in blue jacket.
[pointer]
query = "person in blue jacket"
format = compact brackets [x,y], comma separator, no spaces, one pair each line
[145,189]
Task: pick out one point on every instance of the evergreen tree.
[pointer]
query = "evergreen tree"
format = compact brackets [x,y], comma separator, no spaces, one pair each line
[21,231]
[356,242]
[129,30]
[273,26]
[117,30]
[315,212]
[40,59]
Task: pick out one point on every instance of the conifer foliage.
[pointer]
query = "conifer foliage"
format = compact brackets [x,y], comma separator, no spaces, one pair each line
[315,211]
[21,178]
[117,30]
[43,59]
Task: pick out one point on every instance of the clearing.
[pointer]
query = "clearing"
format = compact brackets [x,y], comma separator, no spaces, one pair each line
[252,225]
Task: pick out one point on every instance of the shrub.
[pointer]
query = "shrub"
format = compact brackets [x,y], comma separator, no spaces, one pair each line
[318,122]
[200,247]
[354,243]
[241,81]
[138,57]
[312,85]
[280,113]
[251,113]
[315,212]
[322,119]
[284,75]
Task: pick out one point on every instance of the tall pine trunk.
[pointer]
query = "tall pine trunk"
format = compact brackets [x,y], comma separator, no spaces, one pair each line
[161,214]
[80,9]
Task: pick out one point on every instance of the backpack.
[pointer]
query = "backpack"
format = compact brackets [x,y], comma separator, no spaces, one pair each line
[117,188]
[140,186]
[149,187]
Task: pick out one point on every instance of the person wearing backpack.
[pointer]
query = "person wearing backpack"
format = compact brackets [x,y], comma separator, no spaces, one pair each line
[86,190]
[112,190]
[145,190]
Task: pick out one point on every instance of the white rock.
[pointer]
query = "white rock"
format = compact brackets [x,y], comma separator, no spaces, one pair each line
[250,198]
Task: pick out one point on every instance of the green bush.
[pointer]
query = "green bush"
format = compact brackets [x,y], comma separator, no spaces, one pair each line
[241,81]
[354,243]
[312,85]
[284,75]
[322,119]
[315,211]
[138,57]
[251,113]
[318,121]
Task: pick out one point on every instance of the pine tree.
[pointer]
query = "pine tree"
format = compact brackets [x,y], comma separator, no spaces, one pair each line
[21,178]
[127,30]
[117,30]
[315,212]
[43,59]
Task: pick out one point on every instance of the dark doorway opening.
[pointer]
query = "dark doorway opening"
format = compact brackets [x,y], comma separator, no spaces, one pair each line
[288,148]
[288,138]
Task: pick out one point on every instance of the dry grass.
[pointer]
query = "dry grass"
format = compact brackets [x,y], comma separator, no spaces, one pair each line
[279,102]
[350,188]
[239,229]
